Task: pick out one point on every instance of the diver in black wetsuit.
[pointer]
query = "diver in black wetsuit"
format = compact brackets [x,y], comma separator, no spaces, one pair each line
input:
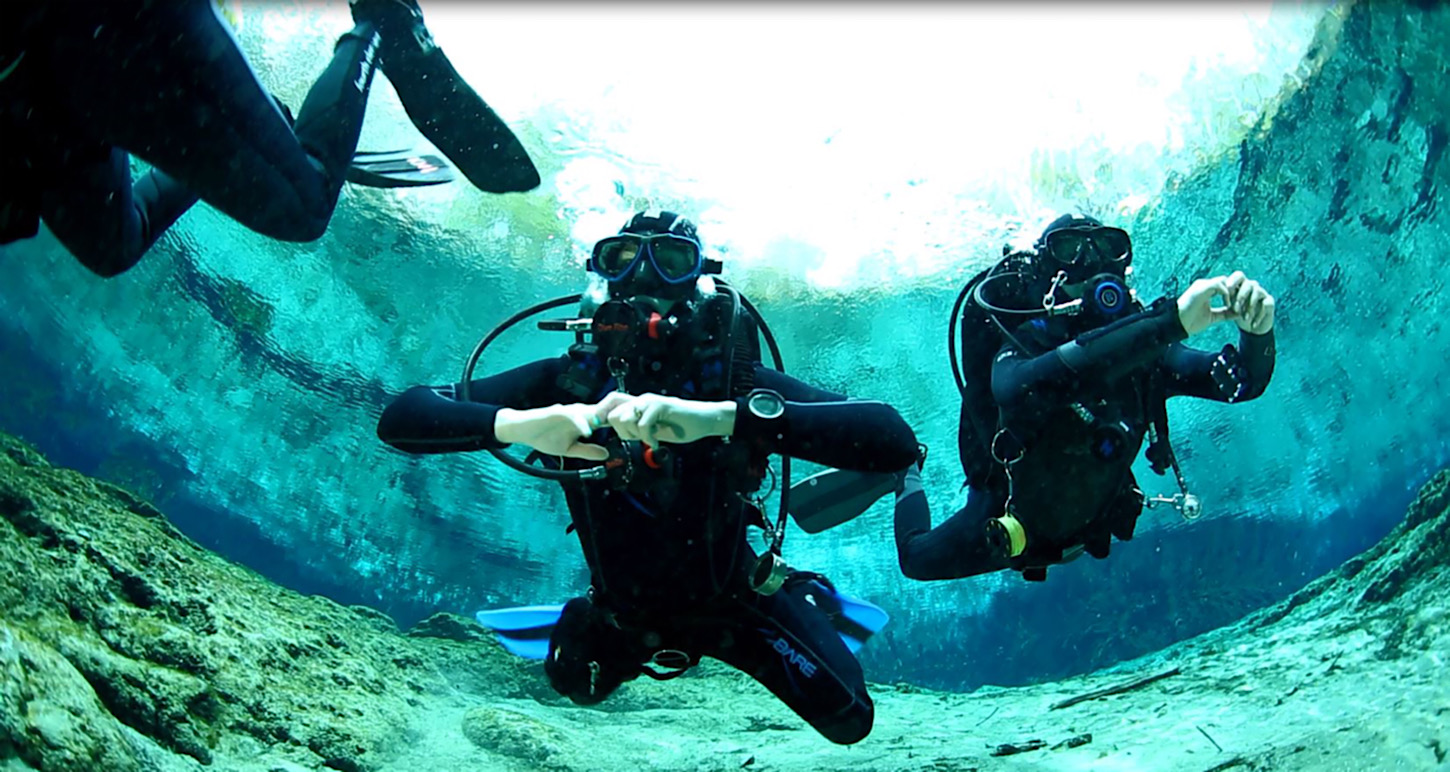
[85,83]
[1055,408]
[670,567]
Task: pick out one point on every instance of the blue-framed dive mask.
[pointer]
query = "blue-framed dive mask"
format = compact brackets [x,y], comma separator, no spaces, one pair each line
[676,259]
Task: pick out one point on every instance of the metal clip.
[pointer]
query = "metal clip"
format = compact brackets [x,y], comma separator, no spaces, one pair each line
[1187,504]
[618,368]
[1049,301]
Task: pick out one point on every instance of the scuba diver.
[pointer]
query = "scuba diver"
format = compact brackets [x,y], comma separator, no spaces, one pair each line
[84,85]
[1063,374]
[670,394]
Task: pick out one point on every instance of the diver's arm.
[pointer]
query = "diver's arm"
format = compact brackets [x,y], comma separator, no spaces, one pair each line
[826,427]
[434,419]
[1103,354]
[1225,376]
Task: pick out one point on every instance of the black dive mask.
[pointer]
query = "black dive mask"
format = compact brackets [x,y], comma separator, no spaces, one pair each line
[1084,249]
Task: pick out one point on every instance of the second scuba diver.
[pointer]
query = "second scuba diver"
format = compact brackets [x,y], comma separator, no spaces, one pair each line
[671,396]
[85,85]
[1063,376]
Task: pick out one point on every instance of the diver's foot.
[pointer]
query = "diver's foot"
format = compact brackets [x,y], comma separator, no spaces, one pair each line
[397,21]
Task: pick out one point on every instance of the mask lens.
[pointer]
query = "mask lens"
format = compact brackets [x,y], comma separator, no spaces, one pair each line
[1112,244]
[613,257]
[1068,246]
[1083,246]
[675,258]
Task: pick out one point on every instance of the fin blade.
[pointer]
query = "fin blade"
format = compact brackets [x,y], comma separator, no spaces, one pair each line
[458,122]
[854,619]
[524,631]
[827,499]
[398,169]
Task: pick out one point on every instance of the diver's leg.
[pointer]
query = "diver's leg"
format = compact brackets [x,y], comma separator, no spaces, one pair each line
[788,645]
[441,104]
[168,82]
[92,208]
[957,548]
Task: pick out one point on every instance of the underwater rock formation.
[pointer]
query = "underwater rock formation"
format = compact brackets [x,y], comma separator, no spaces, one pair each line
[124,643]
[125,646]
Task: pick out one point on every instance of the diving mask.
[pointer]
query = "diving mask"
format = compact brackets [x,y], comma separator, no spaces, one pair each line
[1084,249]
[676,259]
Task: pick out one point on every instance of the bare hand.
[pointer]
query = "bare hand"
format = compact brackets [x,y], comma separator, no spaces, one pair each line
[1253,306]
[655,418]
[1195,306]
[557,430]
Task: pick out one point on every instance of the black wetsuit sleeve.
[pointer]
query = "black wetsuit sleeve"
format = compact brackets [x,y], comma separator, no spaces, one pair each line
[827,428]
[1191,371]
[1103,355]
[434,419]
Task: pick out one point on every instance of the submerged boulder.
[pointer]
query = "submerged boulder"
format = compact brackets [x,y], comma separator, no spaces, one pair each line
[117,624]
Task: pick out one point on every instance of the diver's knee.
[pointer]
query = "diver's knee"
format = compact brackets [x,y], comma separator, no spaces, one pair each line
[305,212]
[854,726]
[106,262]
[910,572]
[110,269]
[301,227]
[911,568]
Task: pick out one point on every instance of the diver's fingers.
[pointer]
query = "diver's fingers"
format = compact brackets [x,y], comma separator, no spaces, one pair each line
[1266,315]
[615,398]
[1208,289]
[1231,285]
[1217,287]
[620,414]
[581,423]
[649,427]
[625,420]
[1254,295]
[611,401]
[587,451]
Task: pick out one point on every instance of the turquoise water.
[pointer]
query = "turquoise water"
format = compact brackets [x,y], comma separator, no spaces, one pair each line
[236,381]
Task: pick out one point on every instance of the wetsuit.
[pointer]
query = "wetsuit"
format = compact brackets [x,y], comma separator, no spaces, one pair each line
[84,83]
[669,567]
[1072,487]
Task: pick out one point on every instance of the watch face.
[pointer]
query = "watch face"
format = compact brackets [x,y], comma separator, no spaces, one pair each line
[766,404]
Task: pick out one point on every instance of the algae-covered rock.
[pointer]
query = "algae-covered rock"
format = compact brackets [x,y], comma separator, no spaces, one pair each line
[511,734]
[124,646]
[188,654]
[50,717]
[451,627]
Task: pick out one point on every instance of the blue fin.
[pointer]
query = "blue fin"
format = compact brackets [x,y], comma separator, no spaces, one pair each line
[525,630]
[855,620]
